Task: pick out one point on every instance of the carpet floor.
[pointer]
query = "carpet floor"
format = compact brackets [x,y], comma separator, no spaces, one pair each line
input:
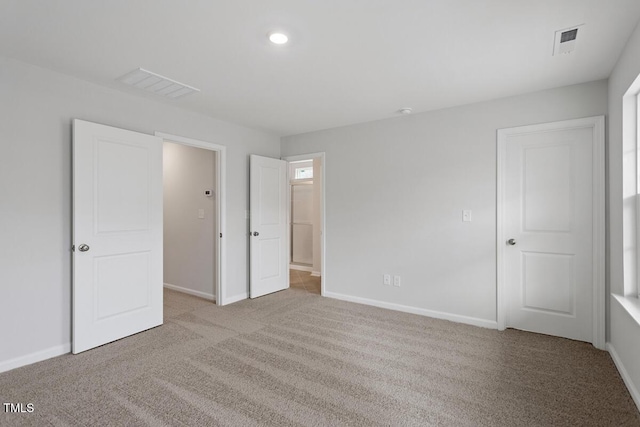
[294,358]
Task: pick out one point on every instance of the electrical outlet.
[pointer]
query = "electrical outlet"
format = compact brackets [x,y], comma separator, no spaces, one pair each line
[386,279]
[396,281]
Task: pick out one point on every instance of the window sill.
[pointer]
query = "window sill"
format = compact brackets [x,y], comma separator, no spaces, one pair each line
[630,304]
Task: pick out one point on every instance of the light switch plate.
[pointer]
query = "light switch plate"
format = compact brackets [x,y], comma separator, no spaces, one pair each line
[386,279]
[201,213]
[466,216]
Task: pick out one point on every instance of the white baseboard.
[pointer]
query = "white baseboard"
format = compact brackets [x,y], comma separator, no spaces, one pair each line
[37,356]
[236,298]
[300,267]
[315,274]
[483,323]
[624,374]
[204,295]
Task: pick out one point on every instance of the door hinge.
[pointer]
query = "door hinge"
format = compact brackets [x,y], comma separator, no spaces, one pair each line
[73,248]
[221,235]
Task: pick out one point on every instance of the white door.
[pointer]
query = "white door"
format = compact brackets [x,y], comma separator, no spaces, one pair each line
[549,178]
[268,231]
[117,234]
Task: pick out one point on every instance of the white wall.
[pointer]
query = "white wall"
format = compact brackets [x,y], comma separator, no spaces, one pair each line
[35,194]
[624,331]
[396,188]
[189,241]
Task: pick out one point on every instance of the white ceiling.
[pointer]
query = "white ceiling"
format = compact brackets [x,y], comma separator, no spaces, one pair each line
[348,61]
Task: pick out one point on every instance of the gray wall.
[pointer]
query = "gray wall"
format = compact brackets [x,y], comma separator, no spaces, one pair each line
[189,241]
[35,192]
[624,330]
[395,191]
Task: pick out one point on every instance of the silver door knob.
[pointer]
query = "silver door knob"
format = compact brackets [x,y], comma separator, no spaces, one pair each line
[83,248]
[511,242]
[255,233]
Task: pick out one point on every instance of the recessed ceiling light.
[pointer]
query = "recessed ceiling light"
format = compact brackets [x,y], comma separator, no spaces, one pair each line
[278,38]
[405,110]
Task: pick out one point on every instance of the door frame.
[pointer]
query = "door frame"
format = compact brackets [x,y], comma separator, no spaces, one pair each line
[323,216]
[220,277]
[597,124]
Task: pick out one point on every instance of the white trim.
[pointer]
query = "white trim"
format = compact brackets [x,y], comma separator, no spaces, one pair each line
[597,124]
[483,323]
[221,219]
[633,391]
[599,291]
[316,274]
[501,312]
[37,356]
[300,267]
[236,298]
[210,297]
[323,213]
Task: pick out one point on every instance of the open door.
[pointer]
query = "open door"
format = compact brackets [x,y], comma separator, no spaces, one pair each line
[117,234]
[268,233]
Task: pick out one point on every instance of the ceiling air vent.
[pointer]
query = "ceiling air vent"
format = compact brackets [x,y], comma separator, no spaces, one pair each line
[565,40]
[157,84]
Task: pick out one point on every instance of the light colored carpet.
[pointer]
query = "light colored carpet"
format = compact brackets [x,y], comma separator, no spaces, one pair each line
[295,358]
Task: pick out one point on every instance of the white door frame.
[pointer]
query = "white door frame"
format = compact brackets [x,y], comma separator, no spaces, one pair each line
[323,221]
[220,243]
[597,125]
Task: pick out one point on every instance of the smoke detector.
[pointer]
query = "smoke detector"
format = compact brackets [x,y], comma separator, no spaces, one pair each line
[157,84]
[565,40]
[405,110]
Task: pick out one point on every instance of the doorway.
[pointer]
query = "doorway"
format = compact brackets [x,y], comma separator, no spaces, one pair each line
[306,222]
[189,219]
[194,217]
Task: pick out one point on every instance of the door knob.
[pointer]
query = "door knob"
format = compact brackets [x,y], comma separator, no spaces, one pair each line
[511,242]
[255,233]
[83,248]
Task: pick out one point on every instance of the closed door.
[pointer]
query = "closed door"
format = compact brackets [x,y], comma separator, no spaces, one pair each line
[548,228]
[268,228]
[117,234]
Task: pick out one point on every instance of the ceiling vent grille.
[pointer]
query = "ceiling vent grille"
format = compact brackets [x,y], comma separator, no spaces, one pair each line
[157,84]
[565,40]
